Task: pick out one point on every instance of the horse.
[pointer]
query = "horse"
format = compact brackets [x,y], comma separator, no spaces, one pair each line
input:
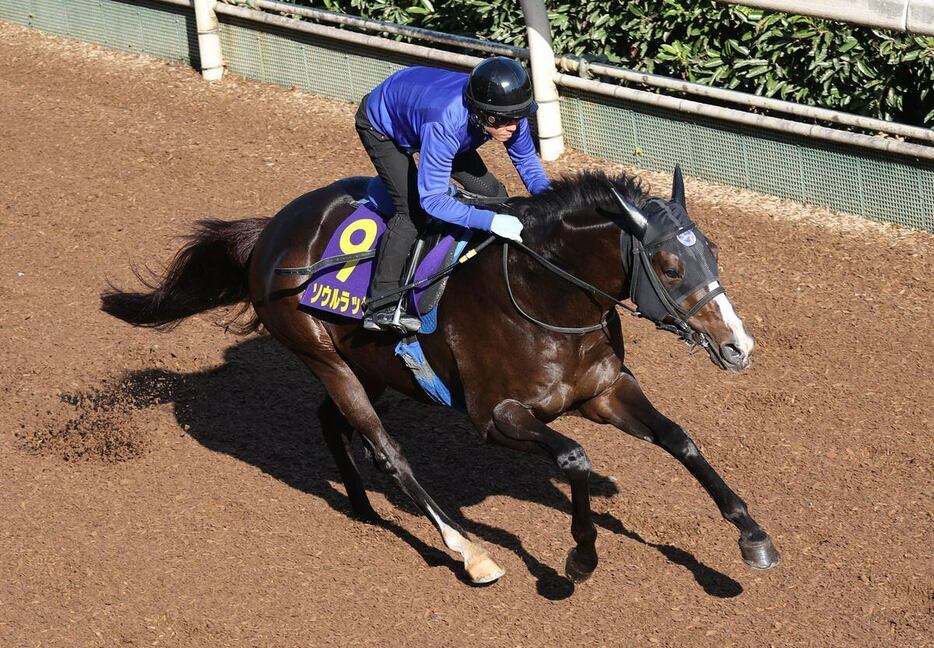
[525,333]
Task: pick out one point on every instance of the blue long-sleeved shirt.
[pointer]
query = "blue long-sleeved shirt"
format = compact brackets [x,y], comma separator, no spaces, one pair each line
[424,109]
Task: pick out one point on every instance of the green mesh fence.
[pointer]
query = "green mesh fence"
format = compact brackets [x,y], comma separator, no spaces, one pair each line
[141,26]
[319,65]
[849,179]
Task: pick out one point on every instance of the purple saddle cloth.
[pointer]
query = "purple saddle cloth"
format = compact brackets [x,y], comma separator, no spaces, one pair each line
[341,289]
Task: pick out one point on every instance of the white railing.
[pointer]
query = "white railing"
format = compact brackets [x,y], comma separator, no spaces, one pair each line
[542,62]
[912,16]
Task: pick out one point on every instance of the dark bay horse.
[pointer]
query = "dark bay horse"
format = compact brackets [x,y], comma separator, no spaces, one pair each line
[520,344]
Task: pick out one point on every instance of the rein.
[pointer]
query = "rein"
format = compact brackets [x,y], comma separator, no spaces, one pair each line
[580,283]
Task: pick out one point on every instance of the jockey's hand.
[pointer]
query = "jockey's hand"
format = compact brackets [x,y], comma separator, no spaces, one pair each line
[507,226]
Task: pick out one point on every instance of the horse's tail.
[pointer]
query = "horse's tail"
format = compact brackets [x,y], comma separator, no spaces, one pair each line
[208,272]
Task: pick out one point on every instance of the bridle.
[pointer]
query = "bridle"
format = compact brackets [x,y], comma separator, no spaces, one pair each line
[640,266]
[635,260]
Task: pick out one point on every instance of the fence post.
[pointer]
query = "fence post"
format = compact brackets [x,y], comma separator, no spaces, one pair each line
[542,60]
[209,42]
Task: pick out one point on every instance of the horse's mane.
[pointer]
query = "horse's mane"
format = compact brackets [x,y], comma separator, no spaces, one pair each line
[582,191]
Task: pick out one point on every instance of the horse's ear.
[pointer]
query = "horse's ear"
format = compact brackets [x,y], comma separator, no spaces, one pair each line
[677,188]
[635,221]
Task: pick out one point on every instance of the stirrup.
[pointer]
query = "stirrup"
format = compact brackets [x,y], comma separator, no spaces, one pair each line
[409,323]
[400,318]
[382,320]
[392,320]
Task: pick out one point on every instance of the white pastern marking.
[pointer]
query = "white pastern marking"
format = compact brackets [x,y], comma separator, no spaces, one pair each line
[452,539]
[732,320]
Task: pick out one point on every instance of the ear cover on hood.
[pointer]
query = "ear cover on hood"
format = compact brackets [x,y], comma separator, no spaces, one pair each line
[634,221]
[677,187]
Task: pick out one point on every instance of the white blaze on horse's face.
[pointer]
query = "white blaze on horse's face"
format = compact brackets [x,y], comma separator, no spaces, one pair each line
[737,349]
[732,321]
[730,343]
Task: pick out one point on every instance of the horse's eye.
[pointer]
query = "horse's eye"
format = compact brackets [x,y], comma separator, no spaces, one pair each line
[672,273]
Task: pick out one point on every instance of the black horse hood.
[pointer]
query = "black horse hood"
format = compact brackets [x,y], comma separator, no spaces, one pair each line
[663,218]
[670,228]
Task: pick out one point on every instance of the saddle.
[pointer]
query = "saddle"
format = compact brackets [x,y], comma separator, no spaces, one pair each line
[339,281]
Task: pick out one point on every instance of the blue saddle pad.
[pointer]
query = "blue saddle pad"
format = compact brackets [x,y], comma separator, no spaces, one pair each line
[412,355]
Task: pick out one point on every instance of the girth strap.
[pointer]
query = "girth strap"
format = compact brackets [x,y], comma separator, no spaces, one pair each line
[326,263]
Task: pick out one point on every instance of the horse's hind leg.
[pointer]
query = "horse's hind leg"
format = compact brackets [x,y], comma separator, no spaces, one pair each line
[517,428]
[353,403]
[625,406]
[337,434]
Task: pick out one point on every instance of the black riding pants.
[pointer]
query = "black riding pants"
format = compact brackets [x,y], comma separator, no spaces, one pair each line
[396,168]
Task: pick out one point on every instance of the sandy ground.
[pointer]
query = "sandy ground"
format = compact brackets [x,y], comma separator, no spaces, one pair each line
[175,490]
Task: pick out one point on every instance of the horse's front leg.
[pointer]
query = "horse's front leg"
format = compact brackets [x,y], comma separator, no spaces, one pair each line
[517,428]
[625,406]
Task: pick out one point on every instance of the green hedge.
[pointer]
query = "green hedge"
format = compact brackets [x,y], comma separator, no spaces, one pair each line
[811,61]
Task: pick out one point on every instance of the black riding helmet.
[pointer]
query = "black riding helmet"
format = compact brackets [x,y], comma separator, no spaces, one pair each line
[499,87]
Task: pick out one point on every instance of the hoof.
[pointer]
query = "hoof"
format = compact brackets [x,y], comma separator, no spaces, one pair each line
[483,570]
[761,554]
[367,515]
[574,570]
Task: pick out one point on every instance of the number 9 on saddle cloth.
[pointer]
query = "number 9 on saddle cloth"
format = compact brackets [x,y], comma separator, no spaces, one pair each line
[340,279]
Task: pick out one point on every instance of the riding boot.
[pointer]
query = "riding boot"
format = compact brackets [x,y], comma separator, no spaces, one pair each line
[387,275]
[384,320]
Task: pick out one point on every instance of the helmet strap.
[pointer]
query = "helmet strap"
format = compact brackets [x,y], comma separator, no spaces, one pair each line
[477,120]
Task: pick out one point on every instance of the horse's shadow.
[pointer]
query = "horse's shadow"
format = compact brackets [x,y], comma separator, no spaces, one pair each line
[261,407]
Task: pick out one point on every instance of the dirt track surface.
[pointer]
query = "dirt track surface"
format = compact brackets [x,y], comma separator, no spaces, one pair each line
[175,490]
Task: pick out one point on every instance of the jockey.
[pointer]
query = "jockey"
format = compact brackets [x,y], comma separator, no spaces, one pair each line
[444,116]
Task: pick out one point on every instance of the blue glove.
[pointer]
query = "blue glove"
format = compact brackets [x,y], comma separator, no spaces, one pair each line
[507,226]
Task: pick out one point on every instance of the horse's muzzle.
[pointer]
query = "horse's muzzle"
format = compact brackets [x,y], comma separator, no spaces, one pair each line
[734,353]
